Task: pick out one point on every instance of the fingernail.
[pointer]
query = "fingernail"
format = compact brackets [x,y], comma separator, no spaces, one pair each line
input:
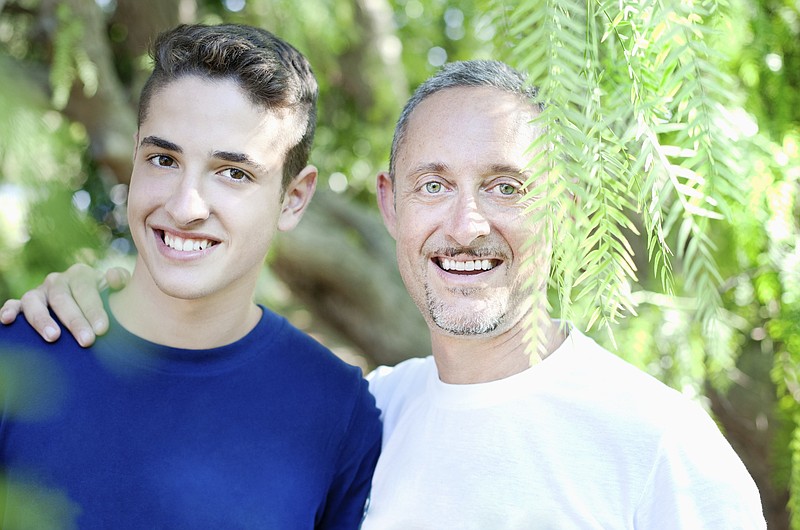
[50,333]
[84,338]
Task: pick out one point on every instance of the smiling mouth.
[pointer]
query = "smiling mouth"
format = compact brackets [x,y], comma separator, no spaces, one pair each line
[472,266]
[184,244]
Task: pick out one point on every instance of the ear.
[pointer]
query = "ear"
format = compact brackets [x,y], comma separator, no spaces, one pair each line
[385,189]
[297,197]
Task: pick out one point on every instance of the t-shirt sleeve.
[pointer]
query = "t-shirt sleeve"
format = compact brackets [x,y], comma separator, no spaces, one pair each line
[699,482]
[379,385]
[361,446]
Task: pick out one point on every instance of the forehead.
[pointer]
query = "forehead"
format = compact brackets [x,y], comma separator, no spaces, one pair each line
[468,125]
[201,111]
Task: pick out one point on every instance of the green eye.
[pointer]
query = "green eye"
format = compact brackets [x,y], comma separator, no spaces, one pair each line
[506,189]
[433,187]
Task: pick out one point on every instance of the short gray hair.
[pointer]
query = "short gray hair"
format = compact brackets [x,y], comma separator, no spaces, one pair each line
[477,73]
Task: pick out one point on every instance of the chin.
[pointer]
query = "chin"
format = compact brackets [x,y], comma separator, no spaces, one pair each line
[469,329]
[466,322]
[182,292]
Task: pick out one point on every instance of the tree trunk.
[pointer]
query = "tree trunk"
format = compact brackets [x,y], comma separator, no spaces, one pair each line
[141,21]
[746,413]
[111,140]
[371,66]
[340,263]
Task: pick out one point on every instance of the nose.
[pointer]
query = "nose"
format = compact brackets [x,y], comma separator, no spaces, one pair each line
[468,221]
[187,203]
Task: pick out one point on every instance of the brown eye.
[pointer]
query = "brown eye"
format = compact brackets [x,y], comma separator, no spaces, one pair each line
[236,174]
[162,160]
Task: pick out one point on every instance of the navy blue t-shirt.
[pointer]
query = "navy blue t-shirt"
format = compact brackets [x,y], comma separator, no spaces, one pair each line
[272,431]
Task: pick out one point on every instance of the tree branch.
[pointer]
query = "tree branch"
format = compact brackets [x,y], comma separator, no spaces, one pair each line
[340,263]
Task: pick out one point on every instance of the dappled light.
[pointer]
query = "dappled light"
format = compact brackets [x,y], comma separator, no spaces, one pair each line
[669,169]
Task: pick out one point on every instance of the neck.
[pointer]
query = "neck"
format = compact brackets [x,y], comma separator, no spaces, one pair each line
[203,323]
[491,357]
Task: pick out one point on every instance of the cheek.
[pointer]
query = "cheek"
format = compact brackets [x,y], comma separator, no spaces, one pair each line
[407,259]
[144,191]
[137,200]
[409,247]
[415,226]
[255,219]
[530,247]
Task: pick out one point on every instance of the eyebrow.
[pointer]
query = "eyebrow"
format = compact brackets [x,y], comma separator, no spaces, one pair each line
[239,158]
[430,167]
[228,156]
[160,143]
[441,167]
[514,170]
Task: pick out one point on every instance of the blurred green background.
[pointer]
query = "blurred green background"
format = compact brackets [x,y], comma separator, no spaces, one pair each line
[70,72]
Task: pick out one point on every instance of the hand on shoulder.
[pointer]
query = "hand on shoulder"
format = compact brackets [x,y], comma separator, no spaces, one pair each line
[73,296]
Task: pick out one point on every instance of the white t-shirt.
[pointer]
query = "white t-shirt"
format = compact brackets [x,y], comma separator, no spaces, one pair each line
[581,440]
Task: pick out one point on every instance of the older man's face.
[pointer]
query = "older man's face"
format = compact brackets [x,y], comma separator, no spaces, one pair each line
[455,210]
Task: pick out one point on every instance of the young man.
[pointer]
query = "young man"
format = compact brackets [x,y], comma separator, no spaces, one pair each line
[199,409]
[476,437]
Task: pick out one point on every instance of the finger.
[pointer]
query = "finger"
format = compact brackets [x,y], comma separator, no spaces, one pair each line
[64,305]
[9,311]
[117,278]
[34,307]
[85,288]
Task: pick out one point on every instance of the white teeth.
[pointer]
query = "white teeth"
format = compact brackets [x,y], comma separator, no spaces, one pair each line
[185,245]
[472,265]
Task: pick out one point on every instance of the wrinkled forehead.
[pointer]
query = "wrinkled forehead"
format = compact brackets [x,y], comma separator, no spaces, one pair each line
[469,122]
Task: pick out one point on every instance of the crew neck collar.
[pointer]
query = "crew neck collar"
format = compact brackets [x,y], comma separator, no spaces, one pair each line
[480,395]
[132,350]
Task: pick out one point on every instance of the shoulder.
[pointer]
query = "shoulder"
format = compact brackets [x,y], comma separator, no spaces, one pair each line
[610,378]
[20,332]
[693,478]
[294,349]
[698,480]
[311,368]
[20,336]
[395,386]
[616,396]
[34,373]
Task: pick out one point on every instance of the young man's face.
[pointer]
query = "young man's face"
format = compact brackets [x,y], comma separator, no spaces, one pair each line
[205,195]
[457,217]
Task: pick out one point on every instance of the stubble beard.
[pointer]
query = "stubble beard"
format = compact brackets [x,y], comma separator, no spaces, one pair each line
[461,321]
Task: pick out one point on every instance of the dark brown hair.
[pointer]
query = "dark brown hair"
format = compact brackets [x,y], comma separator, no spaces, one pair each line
[270,71]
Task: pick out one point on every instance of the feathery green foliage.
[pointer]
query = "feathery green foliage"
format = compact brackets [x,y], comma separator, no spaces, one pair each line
[638,136]
[632,116]
[70,61]
[641,153]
